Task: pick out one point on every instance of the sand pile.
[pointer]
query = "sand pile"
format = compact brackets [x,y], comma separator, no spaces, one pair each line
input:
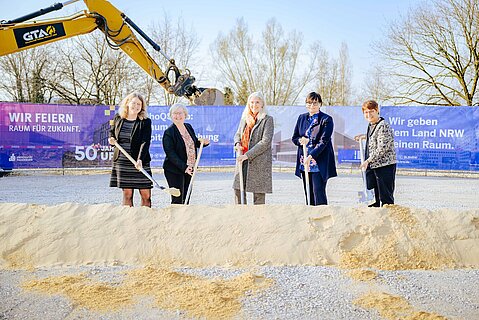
[170,290]
[393,307]
[392,238]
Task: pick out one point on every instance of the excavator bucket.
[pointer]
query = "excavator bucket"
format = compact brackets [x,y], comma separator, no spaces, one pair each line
[210,97]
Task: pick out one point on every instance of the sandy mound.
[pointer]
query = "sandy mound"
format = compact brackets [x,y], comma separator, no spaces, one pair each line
[199,297]
[390,238]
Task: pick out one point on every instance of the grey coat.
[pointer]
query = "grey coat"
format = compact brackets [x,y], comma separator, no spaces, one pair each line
[259,172]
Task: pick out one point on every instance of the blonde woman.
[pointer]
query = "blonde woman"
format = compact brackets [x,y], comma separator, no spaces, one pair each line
[132,130]
[253,142]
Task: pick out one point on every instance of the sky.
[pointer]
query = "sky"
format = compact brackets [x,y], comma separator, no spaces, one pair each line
[357,23]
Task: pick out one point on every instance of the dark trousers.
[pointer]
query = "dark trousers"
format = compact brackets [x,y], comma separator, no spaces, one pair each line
[179,181]
[258,198]
[382,180]
[317,188]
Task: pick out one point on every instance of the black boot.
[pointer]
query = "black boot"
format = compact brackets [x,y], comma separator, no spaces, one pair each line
[375,204]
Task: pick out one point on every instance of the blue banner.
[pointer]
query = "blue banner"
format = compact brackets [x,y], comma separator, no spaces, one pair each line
[56,136]
[444,138]
[218,124]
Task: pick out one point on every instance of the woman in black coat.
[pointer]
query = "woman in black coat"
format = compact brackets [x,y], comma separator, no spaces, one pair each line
[132,130]
[180,145]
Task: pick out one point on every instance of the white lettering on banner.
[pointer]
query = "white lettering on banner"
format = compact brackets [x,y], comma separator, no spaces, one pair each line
[156,137]
[406,144]
[211,137]
[161,116]
[63,129]
[401,133]
[421,122]
[451,133]
[424,133]
[436,145]
[159,127]
[41,117]
[39,128]
[24,158]
[20,117]
[164,116]
[19,128]
[91,153]
[54,117]
[396,121]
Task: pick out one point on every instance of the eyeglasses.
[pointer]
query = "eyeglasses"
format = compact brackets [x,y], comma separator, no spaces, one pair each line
[310,104]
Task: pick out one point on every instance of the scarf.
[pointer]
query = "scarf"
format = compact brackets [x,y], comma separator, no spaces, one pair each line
[250,122]
[313,122]
[313,166]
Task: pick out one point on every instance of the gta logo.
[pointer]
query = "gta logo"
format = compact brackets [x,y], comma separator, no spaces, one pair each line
[30,36]
[39,33]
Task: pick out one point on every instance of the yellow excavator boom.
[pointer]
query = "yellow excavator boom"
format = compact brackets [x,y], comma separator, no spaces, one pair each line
[24,33]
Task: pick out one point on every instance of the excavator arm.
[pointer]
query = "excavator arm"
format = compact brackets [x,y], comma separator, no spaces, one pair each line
[24,33]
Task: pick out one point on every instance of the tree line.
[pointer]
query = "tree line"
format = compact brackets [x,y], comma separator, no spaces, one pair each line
[429,56]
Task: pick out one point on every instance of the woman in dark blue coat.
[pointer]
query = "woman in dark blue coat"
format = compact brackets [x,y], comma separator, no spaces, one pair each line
[315,129]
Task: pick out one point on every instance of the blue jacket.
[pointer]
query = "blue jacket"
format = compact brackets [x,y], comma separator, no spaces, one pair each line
[323,152]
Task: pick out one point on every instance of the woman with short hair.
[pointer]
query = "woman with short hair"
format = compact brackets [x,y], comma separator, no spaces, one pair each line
[380,155]
[314,129]
[180,145]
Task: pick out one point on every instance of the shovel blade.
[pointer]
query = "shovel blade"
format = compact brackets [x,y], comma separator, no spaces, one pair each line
[365,196]
[173,191]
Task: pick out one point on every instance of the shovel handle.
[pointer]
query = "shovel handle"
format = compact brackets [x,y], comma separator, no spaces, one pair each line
[173,191]
[240,173]
[190,187]
[306,174]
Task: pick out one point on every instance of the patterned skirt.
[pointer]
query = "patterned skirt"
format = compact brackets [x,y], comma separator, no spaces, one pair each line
[124,175]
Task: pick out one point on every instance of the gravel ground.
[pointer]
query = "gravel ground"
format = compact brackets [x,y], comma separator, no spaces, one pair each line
[214,188]
[300,292]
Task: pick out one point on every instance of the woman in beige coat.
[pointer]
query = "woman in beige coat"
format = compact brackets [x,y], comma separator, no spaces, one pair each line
[253,145]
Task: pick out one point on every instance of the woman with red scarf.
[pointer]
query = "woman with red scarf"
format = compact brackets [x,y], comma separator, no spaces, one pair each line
[253,145]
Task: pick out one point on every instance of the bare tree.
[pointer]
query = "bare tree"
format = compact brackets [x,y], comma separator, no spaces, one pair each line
[377,86]
[90,72]
[235,60]
[85,70]
[434,53]
[178,43]
[344,76]
[108,69]
[333,76]
[229,96]
[272,64]
[24,75]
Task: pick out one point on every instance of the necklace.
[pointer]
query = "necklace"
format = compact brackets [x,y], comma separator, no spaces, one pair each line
[182,129]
